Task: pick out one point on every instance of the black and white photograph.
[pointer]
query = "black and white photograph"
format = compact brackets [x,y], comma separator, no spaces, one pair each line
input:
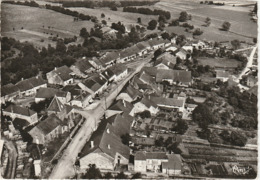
[129,89]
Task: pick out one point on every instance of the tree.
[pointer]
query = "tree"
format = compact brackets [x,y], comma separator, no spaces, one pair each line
[181,126]
[125,138]
[145,114]
[203,116]
[208,21]
[226,26]
[92,172]
[238,138]
[159,142]
[235,43]
[102,15]
[175,22]
[183,16]
[165,35]
[104,22]
[108,175]
[162,18]
[152,24]
[60,47]
[197,32]
[114,8]
[255,40]
[139,20]
[84,33]
[180,39]
[137,176]
[121,175]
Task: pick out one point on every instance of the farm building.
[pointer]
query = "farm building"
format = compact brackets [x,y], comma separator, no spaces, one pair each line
[60,76]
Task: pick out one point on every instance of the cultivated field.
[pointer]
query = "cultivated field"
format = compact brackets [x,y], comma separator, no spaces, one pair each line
[219,62]
[33,19]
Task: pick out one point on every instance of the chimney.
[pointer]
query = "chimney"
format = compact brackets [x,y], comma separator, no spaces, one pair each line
[22,79]
[37,77]
[108,146]
[124,103]
[91,144]
[55,68]
[108,131]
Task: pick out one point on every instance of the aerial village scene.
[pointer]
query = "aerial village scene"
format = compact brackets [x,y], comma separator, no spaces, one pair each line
[129,89]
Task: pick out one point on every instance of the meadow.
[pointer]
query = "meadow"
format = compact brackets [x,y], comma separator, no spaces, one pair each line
[219,62]
[31,24]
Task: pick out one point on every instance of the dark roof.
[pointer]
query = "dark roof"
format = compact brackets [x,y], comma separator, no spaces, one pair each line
[157,41]
[103,138]
[9,89]
[144,86]
[142,155]
[152,71]
[55,105]
[83,65]
[49,124]
[98,79]
[174,162]
[36,81]
[147,102]
[118,69]
[20,110]
[109,57]
[73,89]
[122,105]
[46,93]
[121,123]
[143,45]
[63,72]
[175,75]
[129,51]
[24,85]
[132,92]
[108,73]
[91,84]
[146,78]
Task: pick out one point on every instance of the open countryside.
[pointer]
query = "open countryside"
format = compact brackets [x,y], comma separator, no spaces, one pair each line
[129,89]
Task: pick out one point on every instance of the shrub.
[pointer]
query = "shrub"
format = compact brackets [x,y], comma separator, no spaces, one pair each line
[226,26]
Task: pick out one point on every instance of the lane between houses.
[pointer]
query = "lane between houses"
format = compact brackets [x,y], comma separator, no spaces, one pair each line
[64,168]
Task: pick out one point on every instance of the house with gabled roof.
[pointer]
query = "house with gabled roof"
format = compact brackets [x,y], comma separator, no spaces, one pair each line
[47,130]
[15,111]
[82,68]
[45,93]
[57,107]
[165,61]
[130,94]
[182,53]
[108,74]
[60,76]
[144,47]
[145,104]
[120,71]
[104,149]
[109,59]
[30,86]
[178,77]
[157,43]
[169,103]
[222,75]
[119,107]
[251,80]
[96,63]
[173,166]
[152,71]
[9,92]
[128,54]
[149,161]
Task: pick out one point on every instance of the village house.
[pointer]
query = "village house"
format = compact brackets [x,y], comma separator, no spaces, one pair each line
[152,71]
[144,47]
[198,44]
[145,104]
[47,130]
[182,53]
[128,54]
[165,61]
[82,68]
[157,43]
[15,111]
[169,103]
[251,81]
[63,96]
[222,75]
[130,94]
[29,87]
[178,77]
[172,48]
[45,93]
[60,76]
[9,92]
[96,63]
[119,107]
[109,59]
[105,149]
[120,72]
[149,161]
[108,74]
[173,166]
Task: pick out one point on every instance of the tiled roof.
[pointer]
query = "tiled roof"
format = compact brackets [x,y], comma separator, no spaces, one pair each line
[49,124]
[46,93]
[146,78]
[37,81]
[98,79]
[157,41]
[174,162]
[143,45]
[152,71]
[118,69]
[142,155]
[129,51]
[20,110]
[91,84]
[63,72]
[73,89]
[133,92]
[175,75]
[147,102]
[108,73]
[106,141]
[121,105]
[83,65]
[56,105]
[109,57]
[24,85]
[9,89]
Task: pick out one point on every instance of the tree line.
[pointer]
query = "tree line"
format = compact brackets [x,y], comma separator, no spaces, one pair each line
[148,11]
[25,3]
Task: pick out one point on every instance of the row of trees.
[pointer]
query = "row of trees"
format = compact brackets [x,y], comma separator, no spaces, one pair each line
[148,11]
[25,3]
[71,13]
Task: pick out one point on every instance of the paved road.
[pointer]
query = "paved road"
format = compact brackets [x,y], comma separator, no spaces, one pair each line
[64,168]
[12,158]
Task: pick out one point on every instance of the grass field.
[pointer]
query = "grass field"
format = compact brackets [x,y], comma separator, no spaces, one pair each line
[219,62]
[33,19]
